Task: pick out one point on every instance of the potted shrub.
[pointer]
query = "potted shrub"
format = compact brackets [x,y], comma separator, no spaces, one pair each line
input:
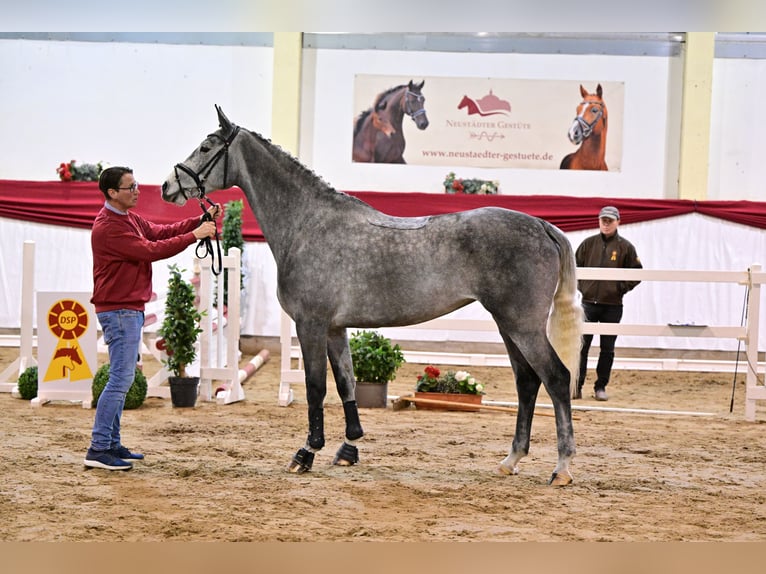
[375,362]
[179,330]
[455,387]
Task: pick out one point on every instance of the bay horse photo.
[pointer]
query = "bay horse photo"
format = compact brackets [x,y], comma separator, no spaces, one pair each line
[588,130]
[342,264]
[378,135]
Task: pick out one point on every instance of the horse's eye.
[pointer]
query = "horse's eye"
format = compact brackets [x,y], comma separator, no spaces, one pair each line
[204,149]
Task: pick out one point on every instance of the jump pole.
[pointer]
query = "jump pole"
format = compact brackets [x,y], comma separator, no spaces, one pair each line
[9,377]
[255,363]
[610,409]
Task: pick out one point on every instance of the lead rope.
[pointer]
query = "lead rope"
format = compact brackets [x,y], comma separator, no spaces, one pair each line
[207,244]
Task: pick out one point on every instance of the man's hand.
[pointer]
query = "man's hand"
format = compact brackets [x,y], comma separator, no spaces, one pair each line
[206,229]
[214,211]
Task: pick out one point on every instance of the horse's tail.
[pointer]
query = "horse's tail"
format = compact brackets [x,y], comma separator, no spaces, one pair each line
[565,320]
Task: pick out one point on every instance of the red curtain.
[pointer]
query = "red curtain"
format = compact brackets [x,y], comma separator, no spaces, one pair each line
[75,204]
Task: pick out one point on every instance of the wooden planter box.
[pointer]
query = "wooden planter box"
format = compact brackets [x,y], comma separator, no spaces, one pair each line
[459,402]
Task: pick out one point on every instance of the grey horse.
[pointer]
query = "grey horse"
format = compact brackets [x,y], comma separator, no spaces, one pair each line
[341,263]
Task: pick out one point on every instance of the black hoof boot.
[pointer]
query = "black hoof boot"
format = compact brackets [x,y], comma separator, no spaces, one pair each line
[301,462]
[347,455]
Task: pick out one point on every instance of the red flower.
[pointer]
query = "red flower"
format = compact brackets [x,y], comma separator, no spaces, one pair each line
[457,185]
[65,171]
[432,372]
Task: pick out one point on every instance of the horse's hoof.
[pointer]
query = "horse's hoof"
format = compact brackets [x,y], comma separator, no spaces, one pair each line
[561,479]
[347,455]
[301,462]
[502,470]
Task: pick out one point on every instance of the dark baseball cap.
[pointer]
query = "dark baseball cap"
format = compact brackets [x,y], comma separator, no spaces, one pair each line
[609,211]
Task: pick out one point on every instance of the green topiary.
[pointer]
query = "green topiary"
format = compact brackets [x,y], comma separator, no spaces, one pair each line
[375,360]
[136,394]
[27,383]
[181,324]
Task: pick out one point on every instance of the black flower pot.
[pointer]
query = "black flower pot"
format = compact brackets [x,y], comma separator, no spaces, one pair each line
[183,391]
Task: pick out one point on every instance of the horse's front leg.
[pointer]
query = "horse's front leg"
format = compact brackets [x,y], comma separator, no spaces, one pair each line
[313,341]
[343,371]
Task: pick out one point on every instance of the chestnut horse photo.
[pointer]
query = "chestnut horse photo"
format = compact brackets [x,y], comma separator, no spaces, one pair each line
[588,130]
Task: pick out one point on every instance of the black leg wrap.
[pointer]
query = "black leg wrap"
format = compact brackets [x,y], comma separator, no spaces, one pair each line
[316,428]
[354,429]
[302,461]
[347,455]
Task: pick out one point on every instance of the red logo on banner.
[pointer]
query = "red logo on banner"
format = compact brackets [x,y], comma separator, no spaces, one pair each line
[489,105]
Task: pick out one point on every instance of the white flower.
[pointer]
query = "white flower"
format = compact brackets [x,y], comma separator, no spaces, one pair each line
[479,387]
[471,381]
[462,375]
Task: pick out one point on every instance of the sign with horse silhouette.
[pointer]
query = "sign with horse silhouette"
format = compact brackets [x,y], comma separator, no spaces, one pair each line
[66,346]
[488,122]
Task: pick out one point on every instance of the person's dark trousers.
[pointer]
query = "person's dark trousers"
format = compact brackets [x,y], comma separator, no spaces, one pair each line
[597,313]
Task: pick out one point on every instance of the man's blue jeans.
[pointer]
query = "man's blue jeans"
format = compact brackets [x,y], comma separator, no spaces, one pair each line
[122,334]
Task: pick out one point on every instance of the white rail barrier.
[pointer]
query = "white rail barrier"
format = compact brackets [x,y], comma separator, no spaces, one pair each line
[752,279]
[10,376]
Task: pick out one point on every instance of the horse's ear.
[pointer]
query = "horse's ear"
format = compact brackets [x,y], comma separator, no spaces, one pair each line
[420,85]
[599,91]
[583,92]
[381,105]
[223,121]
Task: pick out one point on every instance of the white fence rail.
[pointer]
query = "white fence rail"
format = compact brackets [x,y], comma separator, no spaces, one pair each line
[752,279]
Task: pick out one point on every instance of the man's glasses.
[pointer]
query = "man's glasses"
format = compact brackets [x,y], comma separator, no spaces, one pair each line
[133,187]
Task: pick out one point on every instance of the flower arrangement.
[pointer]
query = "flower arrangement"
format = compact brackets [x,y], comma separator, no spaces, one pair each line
[460,382]
[453,184]
[72,172]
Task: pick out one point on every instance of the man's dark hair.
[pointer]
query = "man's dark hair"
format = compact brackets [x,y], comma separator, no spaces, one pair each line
[110,179]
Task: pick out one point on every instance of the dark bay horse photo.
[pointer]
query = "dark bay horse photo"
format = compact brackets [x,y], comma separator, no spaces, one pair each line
[378,135]
[588,130]
[341,263]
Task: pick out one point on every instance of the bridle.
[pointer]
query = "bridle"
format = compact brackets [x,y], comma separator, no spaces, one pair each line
[420,98]
[198,192]
[587,128]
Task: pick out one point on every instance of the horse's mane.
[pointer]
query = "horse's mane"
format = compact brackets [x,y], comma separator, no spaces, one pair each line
[383,95]
[292,164]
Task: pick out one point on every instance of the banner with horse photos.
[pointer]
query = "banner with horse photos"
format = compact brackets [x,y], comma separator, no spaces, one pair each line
[488,122]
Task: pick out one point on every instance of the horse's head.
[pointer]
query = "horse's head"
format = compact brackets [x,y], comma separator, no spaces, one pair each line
[203,168]
[464,102]
[591,116]
[413,104]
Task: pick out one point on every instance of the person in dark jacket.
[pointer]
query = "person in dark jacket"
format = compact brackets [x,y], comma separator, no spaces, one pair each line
[124,246]
[602,300]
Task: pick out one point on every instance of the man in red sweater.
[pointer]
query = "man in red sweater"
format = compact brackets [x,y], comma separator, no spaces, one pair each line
[124,246]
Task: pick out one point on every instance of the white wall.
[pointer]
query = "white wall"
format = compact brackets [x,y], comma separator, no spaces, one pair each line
[142,105]
[738,120]
[650,146]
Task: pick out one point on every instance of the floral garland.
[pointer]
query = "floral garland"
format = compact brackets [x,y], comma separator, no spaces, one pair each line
[72,172]
[453,184]
[460,382]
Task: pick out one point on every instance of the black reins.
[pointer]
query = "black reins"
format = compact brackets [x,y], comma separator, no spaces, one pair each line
[198,193]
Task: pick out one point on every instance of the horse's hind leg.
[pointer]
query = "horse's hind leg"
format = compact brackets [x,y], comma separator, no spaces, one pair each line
[527,386]
[534,360]
[343,370]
